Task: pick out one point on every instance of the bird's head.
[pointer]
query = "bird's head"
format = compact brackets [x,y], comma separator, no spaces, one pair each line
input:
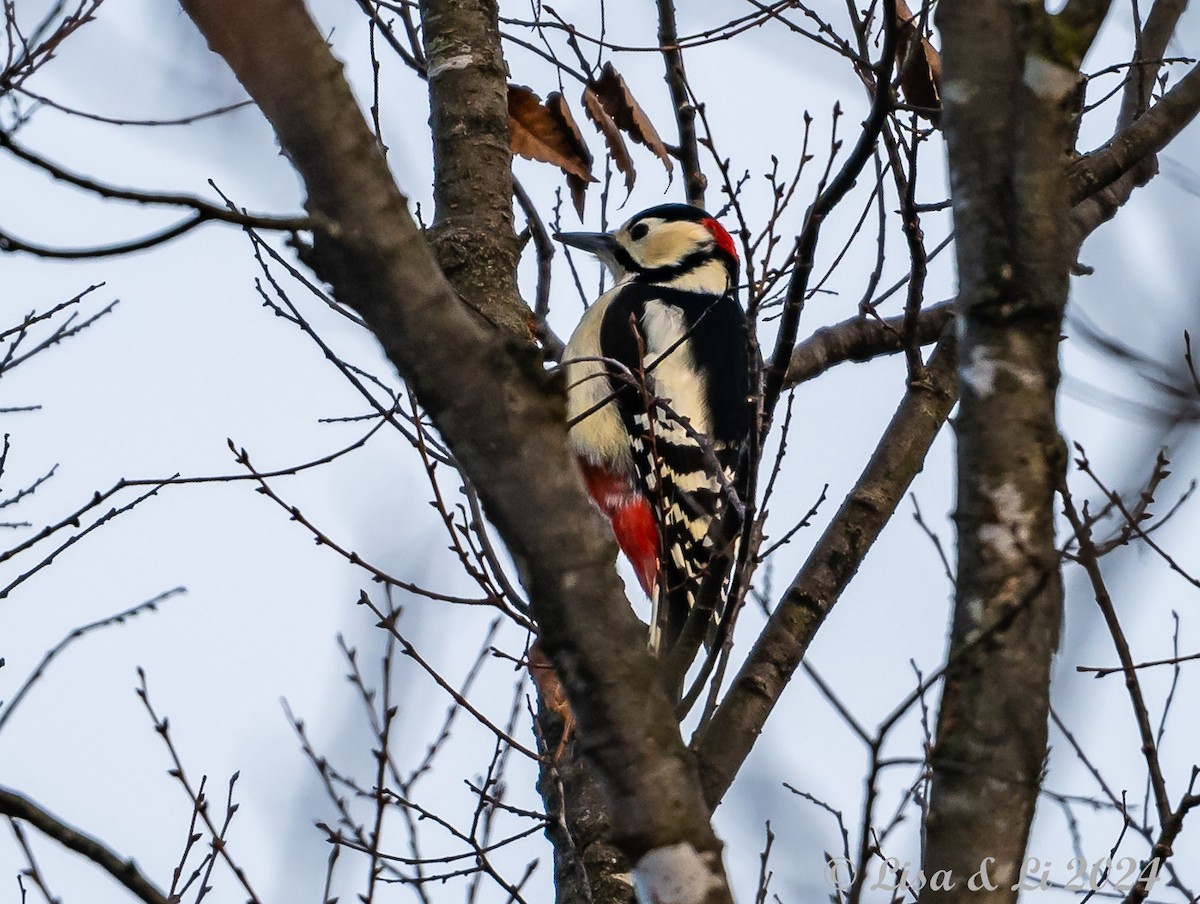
[672,244]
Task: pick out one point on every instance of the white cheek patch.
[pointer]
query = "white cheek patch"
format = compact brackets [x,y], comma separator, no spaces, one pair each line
[669,243]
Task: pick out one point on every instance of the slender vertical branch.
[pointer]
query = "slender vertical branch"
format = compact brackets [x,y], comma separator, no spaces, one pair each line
[806,242]
[694,181]
[1090,561]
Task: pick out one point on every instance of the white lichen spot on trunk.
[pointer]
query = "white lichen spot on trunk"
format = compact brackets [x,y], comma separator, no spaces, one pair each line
[982,370]
[678,874]
[979,373]
[1006,535]
[957,91]
[459,61]
[973,606]
[1049,80]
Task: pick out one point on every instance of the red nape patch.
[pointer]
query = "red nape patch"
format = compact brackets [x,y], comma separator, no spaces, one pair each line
[723,239]
[631,517]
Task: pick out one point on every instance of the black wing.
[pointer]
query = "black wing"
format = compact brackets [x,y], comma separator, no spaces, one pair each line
[686,473]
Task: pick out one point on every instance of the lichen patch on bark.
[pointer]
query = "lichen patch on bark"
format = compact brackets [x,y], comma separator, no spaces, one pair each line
[1049,80]
[1007,537]
[983,370]
[676,874]
[460,61]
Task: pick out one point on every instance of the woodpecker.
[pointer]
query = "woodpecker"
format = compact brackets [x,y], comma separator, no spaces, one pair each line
[659,397]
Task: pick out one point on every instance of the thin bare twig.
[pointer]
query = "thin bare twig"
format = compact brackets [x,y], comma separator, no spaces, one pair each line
[1087,558]
[150,605]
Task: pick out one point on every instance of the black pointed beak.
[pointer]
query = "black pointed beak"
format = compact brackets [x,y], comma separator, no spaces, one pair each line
[601,244]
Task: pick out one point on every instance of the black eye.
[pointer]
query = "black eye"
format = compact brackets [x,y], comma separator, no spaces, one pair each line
[638,232]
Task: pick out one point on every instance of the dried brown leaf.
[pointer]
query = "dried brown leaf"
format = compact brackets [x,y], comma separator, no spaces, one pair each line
[551,691]
[920,66]
[578,189]
[547,132]
[628,114]
[617,148]
[557,105]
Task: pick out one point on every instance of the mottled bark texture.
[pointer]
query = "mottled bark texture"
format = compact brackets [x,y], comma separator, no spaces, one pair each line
[472,233]
[1010,82]
[588,867]
[502,416]
[1021,213]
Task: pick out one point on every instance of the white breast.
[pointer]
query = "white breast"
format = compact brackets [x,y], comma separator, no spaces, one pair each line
[597,432]
[672,367]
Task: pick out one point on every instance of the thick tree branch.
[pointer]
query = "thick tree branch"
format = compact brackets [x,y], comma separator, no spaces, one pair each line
[861,339]
[722,746]
[472,232]
[504,421]
[1104,180]
[1146,136]
[587,866]
[17,806]
[1008,139]
[1148,58]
